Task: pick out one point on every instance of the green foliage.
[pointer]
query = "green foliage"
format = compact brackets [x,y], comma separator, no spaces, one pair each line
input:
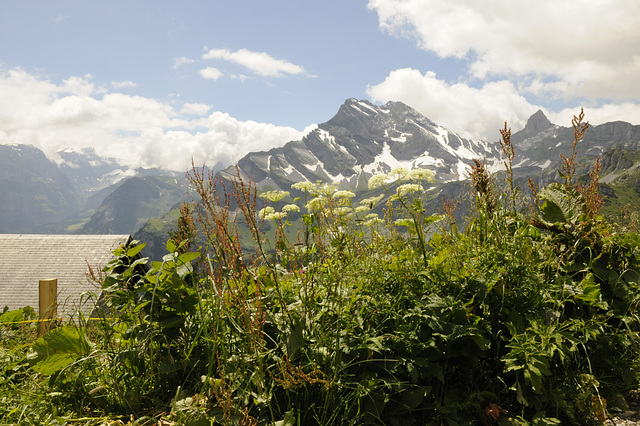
[355,318]
[57,349]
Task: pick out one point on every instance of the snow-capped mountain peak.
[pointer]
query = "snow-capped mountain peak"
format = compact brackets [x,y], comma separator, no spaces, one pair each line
[363,139]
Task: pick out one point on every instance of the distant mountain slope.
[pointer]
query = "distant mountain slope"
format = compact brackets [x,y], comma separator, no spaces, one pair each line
[134,202]
[540,143]
[33,191]
[82,192]
[363,139]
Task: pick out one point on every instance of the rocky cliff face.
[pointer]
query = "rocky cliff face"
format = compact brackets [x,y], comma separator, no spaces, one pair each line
[363,139]
[540,143]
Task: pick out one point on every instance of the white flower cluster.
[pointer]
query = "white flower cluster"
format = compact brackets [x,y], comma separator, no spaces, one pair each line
[407,188]
[291,208]
[274,196]
[377,181]
[304,186]
[403,175]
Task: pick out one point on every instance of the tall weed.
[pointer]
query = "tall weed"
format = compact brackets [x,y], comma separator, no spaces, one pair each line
[315,307]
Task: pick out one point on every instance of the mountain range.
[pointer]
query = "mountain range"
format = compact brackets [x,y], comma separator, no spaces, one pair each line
[81,192]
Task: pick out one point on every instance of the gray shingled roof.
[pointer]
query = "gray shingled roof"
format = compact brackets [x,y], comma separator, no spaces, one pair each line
[25,259]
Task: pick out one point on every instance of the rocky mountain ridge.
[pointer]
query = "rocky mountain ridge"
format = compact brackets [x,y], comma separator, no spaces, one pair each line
[82,192]
[363,139]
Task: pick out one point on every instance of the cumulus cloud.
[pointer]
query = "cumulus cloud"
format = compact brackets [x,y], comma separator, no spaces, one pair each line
[211,73]
[195,109]
[576,52]
[137,131]
[475,113]
[260,63]
[479,113]
[567,48]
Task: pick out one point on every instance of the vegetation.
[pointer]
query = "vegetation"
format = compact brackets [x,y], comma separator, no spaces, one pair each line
[358,318]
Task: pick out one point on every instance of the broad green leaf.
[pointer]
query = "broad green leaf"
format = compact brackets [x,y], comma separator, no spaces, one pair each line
[295,340]
[414,397]
[171,246]
[188,257]
[552,213]
[590,290]
[561,204]
[135,250]
[59,348]
[289,419]
[11,316]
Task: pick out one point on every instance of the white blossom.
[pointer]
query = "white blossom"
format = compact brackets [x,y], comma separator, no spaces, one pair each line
[266,211]
[400,172]
[408,187]
[275,216]
[290,208]
[372,201]
[305,186]
[343,194]
[424,175]
[377,181]
[274,196]
[316,204]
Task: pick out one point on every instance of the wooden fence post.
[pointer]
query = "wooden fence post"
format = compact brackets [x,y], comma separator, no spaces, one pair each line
[48,305]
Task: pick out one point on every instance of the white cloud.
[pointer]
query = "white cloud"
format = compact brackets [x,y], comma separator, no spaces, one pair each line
[627,111]
[138,131]
[211,73]
[571,52]
[195,109]
[559,48]
[479,113]
[260,63]
[123,84]
[475,113]
[182,60]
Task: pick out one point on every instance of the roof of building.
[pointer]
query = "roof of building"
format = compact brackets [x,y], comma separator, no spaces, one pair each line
[25,259]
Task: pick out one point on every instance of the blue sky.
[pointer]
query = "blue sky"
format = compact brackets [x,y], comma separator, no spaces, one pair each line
[156,83]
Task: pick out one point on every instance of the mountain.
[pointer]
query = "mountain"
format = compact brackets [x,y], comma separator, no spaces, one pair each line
[363,139]
[74,193]
[134,202]
[90,172]
[540,143]
[83,192]
[33,191]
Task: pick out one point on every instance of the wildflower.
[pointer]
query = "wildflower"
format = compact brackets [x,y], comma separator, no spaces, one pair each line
[305,186]
[275,216]
[316,204]
[372,221]
[377,181]
[408,187]
[361,209]
[371,216]
[341,211]
[343,194]
[400,172]
[274,196]
[421,175]
[266,211]
[371,201]
[326,189]
[291,208]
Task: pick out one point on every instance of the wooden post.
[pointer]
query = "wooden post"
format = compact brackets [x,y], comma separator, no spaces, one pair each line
[48,304]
